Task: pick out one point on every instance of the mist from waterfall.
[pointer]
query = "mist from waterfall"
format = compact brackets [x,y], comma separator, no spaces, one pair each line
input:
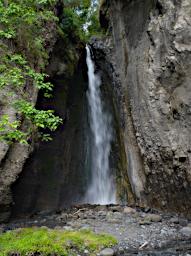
[101,189]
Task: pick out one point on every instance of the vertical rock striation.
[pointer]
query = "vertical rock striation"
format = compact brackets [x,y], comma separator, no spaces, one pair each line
[151,55]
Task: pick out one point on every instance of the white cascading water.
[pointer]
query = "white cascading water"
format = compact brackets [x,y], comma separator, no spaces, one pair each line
[101,188]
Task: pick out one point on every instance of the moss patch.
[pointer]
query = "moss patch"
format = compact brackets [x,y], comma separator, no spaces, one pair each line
[49,241]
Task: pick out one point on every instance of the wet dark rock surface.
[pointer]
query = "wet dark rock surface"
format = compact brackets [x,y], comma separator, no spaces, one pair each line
[139,231]
[55,175]
[147,66]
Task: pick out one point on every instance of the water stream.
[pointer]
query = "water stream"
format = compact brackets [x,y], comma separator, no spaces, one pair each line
[101,188]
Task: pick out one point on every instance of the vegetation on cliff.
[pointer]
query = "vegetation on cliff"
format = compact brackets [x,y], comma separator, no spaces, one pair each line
[52,242]
[24,55]
[26,27]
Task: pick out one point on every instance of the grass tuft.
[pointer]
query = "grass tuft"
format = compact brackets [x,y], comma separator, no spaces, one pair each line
[49,241]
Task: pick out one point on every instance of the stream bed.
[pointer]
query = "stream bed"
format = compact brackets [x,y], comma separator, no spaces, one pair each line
[138,231]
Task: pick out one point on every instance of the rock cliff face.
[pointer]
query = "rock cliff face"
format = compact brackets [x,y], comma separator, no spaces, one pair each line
[149,64]
[63,61]
[55,175]
[13,156]
[145,63]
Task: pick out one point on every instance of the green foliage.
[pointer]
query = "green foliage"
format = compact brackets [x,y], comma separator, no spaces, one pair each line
[9,131]
[94,27]
[39,118]
[72,25]
[22,23]
[38,81]
[23,29]
[47,242]
[11,77]
[80,19]
[92,20]
[14,72]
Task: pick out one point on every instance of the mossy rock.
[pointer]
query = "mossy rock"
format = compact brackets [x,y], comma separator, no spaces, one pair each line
[44,241]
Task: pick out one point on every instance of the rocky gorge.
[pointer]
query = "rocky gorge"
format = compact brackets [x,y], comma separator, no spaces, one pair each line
[144,64]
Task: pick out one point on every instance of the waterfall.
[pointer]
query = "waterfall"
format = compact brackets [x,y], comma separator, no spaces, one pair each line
[101,189]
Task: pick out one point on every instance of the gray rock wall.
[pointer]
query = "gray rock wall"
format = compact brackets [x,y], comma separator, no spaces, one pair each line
[13,156]
[114,98]
[152,56]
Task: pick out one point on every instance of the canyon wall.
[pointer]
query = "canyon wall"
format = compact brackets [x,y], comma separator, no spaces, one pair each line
[63,61]
[145,65]
[14,155]
[149,55]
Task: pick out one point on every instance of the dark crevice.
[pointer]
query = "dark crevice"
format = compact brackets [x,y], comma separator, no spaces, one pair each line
[159,7]
[175,114]
[182,159]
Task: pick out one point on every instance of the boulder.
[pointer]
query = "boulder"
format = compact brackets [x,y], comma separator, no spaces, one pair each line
[186,231]
[153,218]
[129,210]
[107,252]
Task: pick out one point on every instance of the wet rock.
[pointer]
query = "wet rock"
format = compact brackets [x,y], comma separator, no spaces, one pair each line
[107,252]
[81,215]
[63,217]
[117,215]
[153,218]
[147,210]
[116,208]
[183,222]
[102,213]
[91,215]
[186,231]
[74,216]
[174,220]
[75,225]
[129,210]
[164,231]
[112,220]
[121,249]
[144,222]
[114,217]
[101,208]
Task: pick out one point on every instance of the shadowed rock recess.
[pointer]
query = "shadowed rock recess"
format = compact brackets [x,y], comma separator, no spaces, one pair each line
[148,60]
[55,175]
